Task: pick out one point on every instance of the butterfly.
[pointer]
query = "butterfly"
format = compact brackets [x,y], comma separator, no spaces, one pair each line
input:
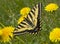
[32,23]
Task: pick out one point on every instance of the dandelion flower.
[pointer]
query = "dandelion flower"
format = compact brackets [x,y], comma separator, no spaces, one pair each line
[25,10]
[55,35]
[51,7]
[0,32]
[6,33]
[21,19]
[24,13]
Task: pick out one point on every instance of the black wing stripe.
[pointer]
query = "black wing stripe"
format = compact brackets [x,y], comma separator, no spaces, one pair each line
[21,25]
[24,25]
[34,8]
[25,22]
[30,15]
[33,12]
[18,33]
[29,22]
[18,27]
[39,15]
[30,18]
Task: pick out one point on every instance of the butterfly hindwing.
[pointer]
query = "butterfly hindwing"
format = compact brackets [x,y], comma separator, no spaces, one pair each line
[32,22]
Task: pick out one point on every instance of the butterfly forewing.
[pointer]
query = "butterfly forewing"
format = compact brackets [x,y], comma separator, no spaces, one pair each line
[31,21]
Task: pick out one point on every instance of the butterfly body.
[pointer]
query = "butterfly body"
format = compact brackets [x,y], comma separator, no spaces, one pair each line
[31,23]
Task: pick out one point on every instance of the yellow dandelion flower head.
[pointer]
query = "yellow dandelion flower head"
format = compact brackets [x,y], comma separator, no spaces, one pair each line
[25,10]
[0,32]
[51,7]
[21,19]
[55,35]
[6,34]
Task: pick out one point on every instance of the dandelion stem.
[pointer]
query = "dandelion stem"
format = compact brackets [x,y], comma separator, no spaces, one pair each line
[10,42]
[20,40]
[2,24]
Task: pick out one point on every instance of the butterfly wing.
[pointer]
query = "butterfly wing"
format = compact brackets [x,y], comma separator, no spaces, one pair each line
[31,21]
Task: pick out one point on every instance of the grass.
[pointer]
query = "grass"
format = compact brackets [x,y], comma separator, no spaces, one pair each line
[9,14]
